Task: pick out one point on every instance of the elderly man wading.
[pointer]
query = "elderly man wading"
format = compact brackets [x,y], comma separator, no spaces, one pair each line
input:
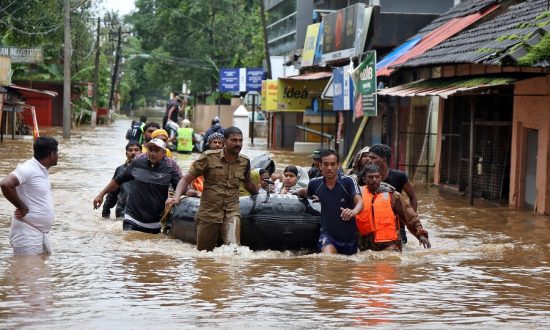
[223,171]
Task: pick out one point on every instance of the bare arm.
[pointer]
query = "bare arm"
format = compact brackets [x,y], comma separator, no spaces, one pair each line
[302,192]
[108,188]
[8,189]
[412,196]
[181,188]
[250,186]
[170,112]
[347,214]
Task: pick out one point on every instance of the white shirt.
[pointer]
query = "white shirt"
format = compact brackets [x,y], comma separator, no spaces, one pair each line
[34,190]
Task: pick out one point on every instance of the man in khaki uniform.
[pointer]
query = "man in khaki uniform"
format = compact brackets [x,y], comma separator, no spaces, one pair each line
[223,170]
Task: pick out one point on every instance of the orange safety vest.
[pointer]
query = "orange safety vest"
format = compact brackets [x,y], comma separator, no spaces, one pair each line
[198,183]
[377,217]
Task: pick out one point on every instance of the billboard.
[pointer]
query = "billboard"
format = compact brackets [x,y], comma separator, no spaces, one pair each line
[345,31]
[310,44]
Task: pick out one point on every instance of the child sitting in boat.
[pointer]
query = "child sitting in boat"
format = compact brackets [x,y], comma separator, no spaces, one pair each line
[294,178]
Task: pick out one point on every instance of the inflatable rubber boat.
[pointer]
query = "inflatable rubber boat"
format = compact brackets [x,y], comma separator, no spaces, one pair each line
[269,222]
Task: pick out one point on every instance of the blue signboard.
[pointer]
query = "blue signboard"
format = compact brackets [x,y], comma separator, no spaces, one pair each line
[254,77]
[342,89]
[229,80]
[241,79]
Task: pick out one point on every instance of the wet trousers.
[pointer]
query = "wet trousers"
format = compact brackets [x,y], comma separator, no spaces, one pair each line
[208,233]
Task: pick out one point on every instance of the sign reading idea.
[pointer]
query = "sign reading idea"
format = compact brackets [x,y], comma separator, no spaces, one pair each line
[241,79]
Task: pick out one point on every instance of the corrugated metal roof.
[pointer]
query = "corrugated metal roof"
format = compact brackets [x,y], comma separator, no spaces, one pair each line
[445,87]
[31,90]
[491,42]
[310,76]
[437,36]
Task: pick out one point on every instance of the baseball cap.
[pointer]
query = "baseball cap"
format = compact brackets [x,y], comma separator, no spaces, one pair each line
[157,142]
[317,153]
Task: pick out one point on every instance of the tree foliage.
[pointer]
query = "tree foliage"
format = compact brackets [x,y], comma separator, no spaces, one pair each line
[191,40]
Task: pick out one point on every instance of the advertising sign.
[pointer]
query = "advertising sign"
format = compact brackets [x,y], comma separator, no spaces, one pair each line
[241,79]
[23,55]
[297,95]
[364,77]
[345,31]
[310,44]
[269,95]
[342,89]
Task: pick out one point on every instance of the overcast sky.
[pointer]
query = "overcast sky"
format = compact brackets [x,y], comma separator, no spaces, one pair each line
[122,6]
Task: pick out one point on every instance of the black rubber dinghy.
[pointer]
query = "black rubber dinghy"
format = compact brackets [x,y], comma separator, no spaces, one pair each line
[269,222]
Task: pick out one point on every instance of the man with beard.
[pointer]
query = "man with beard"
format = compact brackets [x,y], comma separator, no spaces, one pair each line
[385,212]
[223,171]
[380,154]
[119,196]
[152,177]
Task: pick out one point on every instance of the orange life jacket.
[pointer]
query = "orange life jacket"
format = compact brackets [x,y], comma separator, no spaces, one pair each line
[198,183]
[377,217]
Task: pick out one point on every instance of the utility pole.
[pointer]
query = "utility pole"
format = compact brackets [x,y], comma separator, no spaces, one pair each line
[96,77]
[67,72]
[266,46]
[115,69]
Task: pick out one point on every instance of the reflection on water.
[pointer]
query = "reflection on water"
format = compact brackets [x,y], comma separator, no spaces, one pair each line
[489,265]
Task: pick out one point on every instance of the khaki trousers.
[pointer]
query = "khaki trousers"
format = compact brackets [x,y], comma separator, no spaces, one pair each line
[208,233]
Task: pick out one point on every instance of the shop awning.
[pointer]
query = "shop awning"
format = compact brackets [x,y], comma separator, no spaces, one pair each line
[310,76]
[445,87]
[31,90]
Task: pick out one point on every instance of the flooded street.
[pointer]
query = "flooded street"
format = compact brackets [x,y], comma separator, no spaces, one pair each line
[488,266]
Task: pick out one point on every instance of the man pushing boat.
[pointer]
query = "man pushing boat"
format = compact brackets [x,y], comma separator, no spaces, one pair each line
[223,170]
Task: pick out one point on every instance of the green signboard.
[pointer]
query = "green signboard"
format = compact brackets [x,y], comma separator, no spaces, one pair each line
[364,77]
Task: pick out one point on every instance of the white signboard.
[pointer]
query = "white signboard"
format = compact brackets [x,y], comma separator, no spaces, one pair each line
[23,55]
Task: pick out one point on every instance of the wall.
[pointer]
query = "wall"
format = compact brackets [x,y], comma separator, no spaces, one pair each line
[531,110]
[203,114]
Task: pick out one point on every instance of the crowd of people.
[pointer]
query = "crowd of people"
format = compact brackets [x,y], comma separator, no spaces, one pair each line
[361,208]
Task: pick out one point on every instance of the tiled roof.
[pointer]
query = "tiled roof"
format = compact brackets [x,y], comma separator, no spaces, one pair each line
[500,41]
[464,8]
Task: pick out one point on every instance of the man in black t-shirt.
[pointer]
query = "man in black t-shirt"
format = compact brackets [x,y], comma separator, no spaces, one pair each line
[380,154]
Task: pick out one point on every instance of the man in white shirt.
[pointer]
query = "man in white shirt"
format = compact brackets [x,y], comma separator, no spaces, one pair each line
[29,190]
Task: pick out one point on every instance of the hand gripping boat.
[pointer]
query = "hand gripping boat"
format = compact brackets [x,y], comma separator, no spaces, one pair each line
[269,222]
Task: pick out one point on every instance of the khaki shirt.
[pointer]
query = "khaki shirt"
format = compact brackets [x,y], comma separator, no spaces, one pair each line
[220,197]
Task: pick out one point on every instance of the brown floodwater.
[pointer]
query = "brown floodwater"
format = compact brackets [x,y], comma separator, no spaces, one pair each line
[489,266]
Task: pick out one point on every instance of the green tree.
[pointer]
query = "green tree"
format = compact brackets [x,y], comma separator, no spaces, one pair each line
[191,40]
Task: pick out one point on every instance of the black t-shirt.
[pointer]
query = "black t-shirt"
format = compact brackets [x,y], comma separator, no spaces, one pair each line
[397,179]
[174,116]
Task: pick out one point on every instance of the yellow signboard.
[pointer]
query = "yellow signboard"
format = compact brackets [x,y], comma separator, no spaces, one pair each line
[296,95]
[310,44]
[269,95]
